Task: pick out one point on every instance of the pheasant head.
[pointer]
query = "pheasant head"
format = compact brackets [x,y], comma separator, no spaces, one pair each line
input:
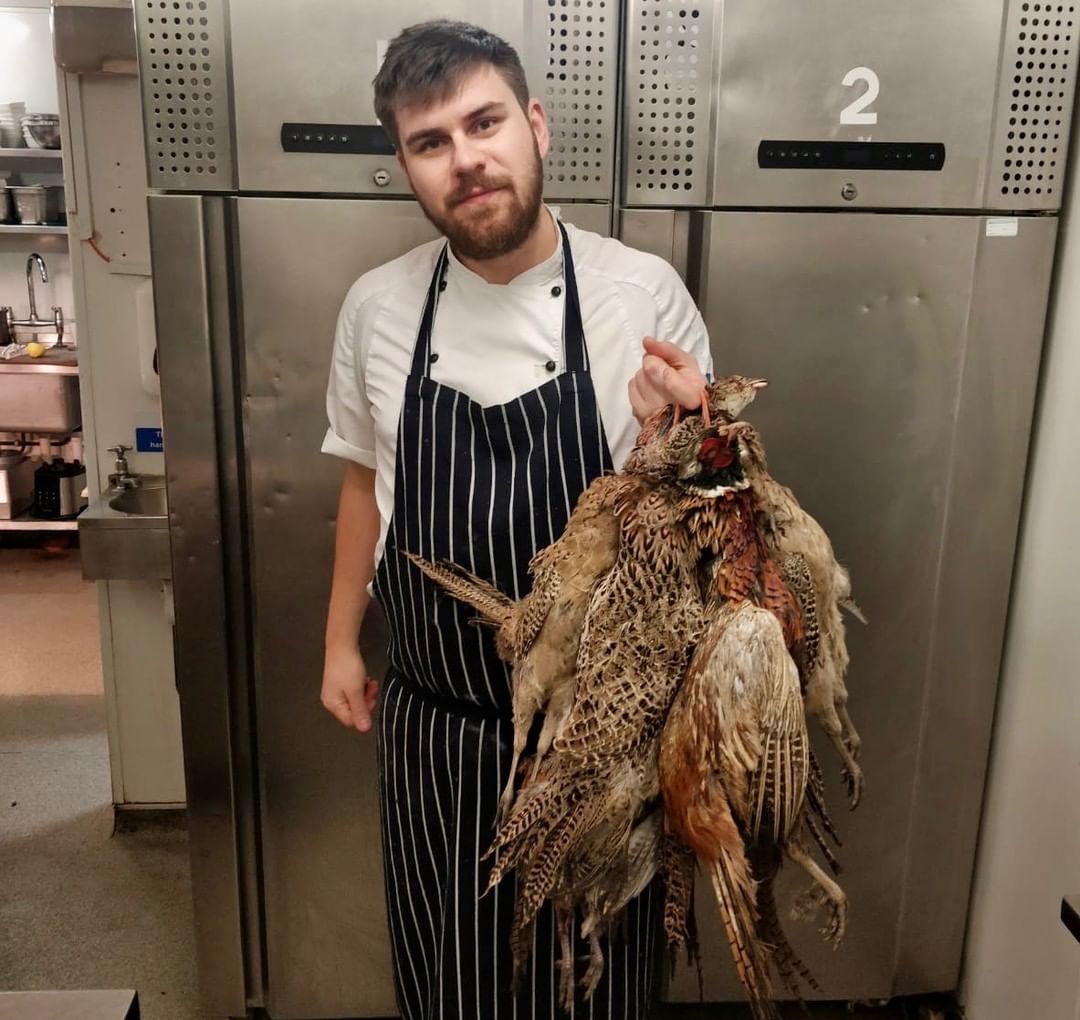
[668,433]
[727,397]
[716,462]
[730,395]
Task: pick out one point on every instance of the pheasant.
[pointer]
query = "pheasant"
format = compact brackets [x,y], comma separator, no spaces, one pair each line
[822,586]
[734,756]
[539,634]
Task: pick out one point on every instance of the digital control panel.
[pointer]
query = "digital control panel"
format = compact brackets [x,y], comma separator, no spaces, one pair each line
[839,155]
[349,139]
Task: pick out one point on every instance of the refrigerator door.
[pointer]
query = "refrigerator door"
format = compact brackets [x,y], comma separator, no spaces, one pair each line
[902,353]
[194,340]
[327,945]
[289,66]
[762,103]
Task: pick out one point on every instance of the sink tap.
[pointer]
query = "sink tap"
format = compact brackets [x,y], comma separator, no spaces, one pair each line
[122,478]
[30,262]
[35,321]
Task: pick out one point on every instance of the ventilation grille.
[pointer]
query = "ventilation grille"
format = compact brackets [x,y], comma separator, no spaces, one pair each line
[1038,85]
[579,96]
[669,66]
[185,96]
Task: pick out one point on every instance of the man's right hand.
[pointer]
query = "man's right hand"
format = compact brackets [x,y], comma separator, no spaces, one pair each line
[348,693]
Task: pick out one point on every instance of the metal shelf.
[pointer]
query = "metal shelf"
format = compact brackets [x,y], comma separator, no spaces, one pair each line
[30,228]
[24,522]
[42,155]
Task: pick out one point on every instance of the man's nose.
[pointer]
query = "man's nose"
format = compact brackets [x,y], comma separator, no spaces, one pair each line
[468,156]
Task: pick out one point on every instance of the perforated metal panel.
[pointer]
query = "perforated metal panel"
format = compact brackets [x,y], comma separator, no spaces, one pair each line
[185,94]
[669,72]
[1035,103]
[579,96]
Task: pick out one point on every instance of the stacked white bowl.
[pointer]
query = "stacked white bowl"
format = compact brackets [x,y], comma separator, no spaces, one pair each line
[41,130]
[11,135]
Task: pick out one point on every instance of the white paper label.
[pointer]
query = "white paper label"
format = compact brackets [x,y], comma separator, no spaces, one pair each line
[1002,226]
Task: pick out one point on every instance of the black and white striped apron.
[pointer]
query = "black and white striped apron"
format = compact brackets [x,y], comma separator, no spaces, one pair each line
[484,487]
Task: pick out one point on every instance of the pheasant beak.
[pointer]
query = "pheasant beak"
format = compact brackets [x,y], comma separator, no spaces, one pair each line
[759,384]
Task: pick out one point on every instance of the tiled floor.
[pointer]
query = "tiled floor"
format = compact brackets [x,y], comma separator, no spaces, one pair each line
[80,906]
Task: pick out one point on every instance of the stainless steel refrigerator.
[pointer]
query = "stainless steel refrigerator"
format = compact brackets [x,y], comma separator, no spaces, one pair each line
[863,198]
[274,189]
[898,313]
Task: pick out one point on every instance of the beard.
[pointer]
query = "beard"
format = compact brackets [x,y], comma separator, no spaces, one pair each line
[489,232]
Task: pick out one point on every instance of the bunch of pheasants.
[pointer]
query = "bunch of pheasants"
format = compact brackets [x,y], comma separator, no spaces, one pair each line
[675,638]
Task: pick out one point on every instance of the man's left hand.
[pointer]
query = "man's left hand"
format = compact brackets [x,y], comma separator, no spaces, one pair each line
[668,375]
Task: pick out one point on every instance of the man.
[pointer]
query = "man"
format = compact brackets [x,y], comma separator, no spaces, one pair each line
[478,385]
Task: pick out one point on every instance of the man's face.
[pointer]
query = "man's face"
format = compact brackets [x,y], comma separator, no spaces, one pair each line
[475,164]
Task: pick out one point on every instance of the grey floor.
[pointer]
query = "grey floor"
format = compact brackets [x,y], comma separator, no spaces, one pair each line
[81,906]
[85,903]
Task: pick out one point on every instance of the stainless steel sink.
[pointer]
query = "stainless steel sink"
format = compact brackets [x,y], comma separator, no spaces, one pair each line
[146,499]
[40,395]
[124,534]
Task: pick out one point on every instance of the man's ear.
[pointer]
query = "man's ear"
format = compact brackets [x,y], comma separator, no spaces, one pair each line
[538,120]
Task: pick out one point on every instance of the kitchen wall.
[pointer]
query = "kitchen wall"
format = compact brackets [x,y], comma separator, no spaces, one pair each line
[28,74]
[1021,961]
[103,132]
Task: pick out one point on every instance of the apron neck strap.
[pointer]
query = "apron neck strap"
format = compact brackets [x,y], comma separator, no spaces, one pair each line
[574,349]
[422,348]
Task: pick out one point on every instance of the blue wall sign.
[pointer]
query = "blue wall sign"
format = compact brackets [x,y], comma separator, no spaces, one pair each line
[148,441]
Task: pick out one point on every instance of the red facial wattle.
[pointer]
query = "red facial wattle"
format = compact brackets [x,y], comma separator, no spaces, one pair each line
[716,454]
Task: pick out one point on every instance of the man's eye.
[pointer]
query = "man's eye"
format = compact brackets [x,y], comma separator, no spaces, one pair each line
[486,124]
[429,143]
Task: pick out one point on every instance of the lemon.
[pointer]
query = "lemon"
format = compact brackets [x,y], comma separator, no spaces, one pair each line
[35,350]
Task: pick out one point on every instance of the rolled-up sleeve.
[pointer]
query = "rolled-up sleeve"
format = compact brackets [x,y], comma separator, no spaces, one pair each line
[351,434]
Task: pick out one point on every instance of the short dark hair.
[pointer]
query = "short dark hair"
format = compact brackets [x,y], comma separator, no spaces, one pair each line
[426,63]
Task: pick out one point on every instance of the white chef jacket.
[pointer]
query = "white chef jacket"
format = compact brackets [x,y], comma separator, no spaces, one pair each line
[494,341]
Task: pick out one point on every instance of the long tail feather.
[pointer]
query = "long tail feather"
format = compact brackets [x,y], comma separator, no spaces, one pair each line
[736,893]
[822,845]
[815,800]
[494,607]
[788,963]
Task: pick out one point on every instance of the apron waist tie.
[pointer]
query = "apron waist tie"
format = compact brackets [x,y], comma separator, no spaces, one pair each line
[454,706]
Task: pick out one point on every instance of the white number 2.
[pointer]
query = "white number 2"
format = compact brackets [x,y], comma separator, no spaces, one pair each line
[853,114]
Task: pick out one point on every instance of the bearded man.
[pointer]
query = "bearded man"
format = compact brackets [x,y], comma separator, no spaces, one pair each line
[479,384]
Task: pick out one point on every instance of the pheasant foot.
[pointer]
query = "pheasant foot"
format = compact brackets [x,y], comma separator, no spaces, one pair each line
[825,893]
[564,922]
[596,965]
[852,773]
